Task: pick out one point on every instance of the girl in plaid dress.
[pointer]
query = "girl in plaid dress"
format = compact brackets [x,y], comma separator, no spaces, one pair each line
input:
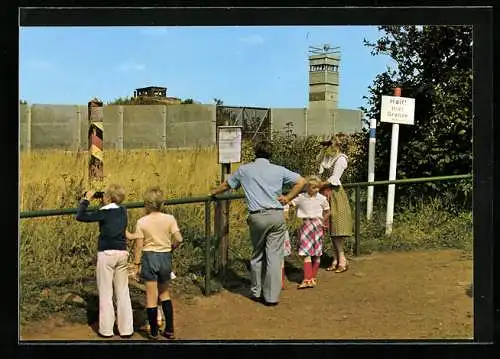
[313,208]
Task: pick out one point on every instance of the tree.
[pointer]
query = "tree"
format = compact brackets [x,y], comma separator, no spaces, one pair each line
[187,101]
[434,66]
[23,102]
[218,102]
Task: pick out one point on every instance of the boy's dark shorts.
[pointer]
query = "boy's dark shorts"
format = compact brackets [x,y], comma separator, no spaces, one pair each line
[156,266]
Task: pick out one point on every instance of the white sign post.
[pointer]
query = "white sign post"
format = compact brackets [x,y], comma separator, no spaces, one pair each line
[396,110]
[371,167]
[229,144]
[229,151]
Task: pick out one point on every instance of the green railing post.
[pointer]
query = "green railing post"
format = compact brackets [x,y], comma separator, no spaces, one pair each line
[357,220]
[207,247]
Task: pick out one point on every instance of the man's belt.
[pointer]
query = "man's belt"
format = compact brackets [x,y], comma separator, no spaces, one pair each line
[265,210]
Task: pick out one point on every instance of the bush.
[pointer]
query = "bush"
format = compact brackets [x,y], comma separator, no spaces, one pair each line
[300,154]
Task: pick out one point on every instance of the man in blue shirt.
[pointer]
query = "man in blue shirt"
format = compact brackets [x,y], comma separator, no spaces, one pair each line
[262,184]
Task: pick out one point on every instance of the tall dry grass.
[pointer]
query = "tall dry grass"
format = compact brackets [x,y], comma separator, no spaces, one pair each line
[61,247]
[47,178]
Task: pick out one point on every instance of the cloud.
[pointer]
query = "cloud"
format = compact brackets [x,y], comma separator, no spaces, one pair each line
[131,67]
[154,31]
[40,65]
[253,39]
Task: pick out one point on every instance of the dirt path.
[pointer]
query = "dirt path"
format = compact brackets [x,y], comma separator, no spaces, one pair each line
[412,295]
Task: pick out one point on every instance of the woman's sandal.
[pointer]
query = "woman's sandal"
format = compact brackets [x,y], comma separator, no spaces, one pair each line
[305,284]
[333,267]
[342,269]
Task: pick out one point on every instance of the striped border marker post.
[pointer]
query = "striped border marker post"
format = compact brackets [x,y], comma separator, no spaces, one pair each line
[96,126]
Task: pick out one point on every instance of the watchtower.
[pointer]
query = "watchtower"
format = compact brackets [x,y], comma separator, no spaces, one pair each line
[324,65]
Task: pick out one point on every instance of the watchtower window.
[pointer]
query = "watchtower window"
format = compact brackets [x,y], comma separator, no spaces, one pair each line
[322,67]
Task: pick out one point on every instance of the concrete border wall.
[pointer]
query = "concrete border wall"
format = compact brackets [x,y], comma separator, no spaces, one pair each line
[65,127]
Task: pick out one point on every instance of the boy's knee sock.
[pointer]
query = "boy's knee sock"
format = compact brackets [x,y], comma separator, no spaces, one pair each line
[153,321]
[315,266]
[168,311]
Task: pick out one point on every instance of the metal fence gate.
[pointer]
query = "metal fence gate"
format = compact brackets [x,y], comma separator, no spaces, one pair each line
[256,121]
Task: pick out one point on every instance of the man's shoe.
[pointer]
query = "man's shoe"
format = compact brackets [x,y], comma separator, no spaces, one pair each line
[270,304]
[256,299]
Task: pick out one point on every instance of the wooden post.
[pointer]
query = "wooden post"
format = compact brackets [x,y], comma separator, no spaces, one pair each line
[95,140]
[222,226]
[221,217]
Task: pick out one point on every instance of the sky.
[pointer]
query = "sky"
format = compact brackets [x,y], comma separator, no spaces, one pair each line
[262,66]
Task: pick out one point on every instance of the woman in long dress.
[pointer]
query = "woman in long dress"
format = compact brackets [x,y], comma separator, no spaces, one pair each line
[334,161]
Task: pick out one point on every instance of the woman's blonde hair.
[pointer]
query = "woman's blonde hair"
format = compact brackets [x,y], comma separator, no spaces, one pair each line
[341,141]
[326,151]
[116,193]
[153,199]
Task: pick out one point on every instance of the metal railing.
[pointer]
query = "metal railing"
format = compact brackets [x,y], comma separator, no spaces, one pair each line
[357,188]
[207,200]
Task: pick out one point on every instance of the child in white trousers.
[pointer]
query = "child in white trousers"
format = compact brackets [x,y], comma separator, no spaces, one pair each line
[112,260]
